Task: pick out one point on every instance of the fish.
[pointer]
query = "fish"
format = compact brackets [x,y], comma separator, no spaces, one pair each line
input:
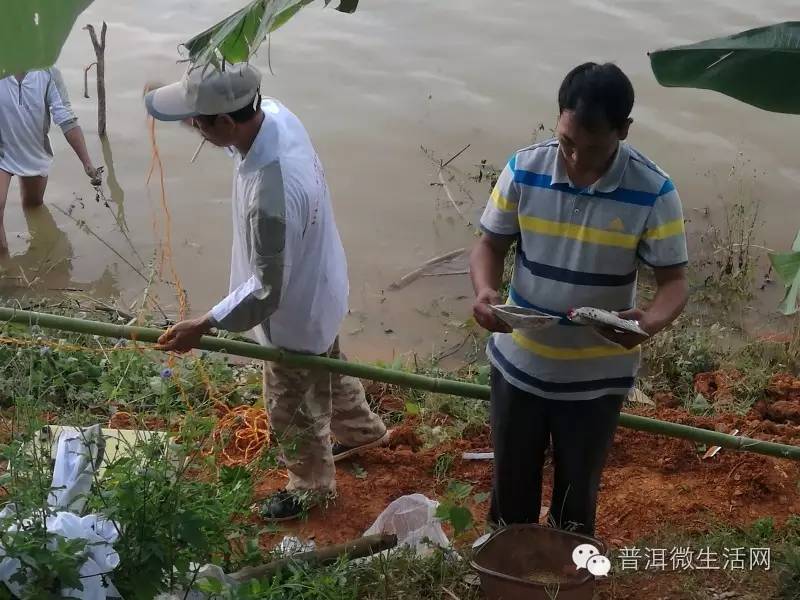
[518,317]
[597,317]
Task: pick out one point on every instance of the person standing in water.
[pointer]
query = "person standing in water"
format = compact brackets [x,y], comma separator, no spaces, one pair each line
[28,103]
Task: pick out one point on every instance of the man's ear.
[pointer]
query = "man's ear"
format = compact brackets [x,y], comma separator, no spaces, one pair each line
[226,122]
[625,129]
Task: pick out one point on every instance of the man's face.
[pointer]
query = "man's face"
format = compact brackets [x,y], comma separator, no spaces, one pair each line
[584,151]
[220,131]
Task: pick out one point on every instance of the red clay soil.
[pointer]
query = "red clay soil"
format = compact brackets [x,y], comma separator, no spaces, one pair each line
[391,472]
[653,481]
[650,482]
[717,386]
[782,403]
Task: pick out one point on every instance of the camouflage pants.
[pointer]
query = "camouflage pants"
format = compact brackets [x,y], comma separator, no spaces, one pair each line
[305,406]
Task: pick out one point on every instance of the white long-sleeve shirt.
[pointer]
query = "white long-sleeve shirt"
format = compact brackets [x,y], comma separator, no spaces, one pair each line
[26,109]
[288,281]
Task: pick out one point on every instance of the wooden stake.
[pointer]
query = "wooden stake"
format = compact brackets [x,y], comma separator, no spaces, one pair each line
[365,546]
[99,50]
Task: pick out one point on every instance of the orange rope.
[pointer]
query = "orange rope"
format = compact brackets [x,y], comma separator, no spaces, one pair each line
[240,435]
[166,246]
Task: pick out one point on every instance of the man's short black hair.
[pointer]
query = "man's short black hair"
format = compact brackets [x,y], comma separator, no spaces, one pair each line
[600,95]
[239,116]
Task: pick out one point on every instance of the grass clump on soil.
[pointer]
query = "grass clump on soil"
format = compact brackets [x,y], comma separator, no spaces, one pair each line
[773,574]
[709,368]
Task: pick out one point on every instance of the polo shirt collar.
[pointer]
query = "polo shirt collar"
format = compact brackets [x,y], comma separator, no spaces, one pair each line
[610,180]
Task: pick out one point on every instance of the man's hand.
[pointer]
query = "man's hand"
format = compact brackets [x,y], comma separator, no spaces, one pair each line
[627,339]
[185,335]
[671,295]
[95,175]
[484,315]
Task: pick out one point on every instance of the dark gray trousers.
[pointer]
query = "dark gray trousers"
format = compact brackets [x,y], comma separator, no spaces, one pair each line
[522,427]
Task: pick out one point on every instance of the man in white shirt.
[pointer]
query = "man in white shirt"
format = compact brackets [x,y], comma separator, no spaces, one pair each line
[288,283]
[28,103]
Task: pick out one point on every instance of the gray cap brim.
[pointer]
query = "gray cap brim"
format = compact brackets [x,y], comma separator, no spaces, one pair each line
[169,103]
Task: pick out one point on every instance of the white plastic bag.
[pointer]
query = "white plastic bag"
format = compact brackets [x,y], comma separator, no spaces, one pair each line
[292,545]
[77,454]
[413,519]
[101,556]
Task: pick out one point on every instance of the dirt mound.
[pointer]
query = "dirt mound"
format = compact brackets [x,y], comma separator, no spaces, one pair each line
[125,420]
[666,399]
[405,435]
[782,404]
[717,386]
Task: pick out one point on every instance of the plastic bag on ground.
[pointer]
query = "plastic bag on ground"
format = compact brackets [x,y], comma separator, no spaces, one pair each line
[101,556]
[77,454]
[292,545]
[413,520]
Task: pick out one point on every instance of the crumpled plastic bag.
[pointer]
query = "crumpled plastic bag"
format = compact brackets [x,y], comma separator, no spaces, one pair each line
[99,534]
[291,545]
[77,454]
[413,520]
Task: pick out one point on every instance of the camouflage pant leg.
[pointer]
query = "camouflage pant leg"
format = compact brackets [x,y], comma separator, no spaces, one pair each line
[302,425]
[353,421]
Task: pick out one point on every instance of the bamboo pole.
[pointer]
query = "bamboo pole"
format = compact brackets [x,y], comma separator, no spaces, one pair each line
[430,384]
[249,350]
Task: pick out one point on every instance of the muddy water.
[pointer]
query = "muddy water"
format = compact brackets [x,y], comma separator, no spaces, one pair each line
[372,88]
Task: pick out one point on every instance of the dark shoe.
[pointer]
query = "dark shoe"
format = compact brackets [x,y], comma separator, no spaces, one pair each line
[283,506]
[340,451]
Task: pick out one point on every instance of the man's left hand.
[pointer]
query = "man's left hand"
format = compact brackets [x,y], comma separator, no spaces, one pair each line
[624,338]
[185,335]
[95,175]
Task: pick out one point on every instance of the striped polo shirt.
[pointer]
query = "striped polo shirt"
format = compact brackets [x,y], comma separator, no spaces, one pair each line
[579,247]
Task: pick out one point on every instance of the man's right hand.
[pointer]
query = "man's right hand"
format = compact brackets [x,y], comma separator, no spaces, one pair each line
[483,313]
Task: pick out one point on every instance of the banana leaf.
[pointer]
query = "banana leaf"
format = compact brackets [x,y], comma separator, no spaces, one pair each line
[758,66]
[32,32]
[238,36]
[787,266]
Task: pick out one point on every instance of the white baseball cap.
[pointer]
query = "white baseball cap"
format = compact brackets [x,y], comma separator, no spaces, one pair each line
[205,92]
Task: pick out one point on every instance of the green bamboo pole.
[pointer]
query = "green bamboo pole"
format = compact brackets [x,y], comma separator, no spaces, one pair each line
[442,386]
[249,350]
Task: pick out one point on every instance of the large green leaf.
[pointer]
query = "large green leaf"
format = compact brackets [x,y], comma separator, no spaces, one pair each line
[787,266]
[238,36]
[758,66]
[32,32]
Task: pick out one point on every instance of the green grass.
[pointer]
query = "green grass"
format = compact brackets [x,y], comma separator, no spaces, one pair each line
[397,575]
[781,581]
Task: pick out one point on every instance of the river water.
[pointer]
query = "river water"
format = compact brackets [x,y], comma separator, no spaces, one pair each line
[373,88]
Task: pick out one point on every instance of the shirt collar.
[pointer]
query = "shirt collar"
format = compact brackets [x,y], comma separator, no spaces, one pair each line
[610,180]
[266,146]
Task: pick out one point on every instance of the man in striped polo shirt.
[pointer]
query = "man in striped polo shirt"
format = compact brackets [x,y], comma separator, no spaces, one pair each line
[586,209]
